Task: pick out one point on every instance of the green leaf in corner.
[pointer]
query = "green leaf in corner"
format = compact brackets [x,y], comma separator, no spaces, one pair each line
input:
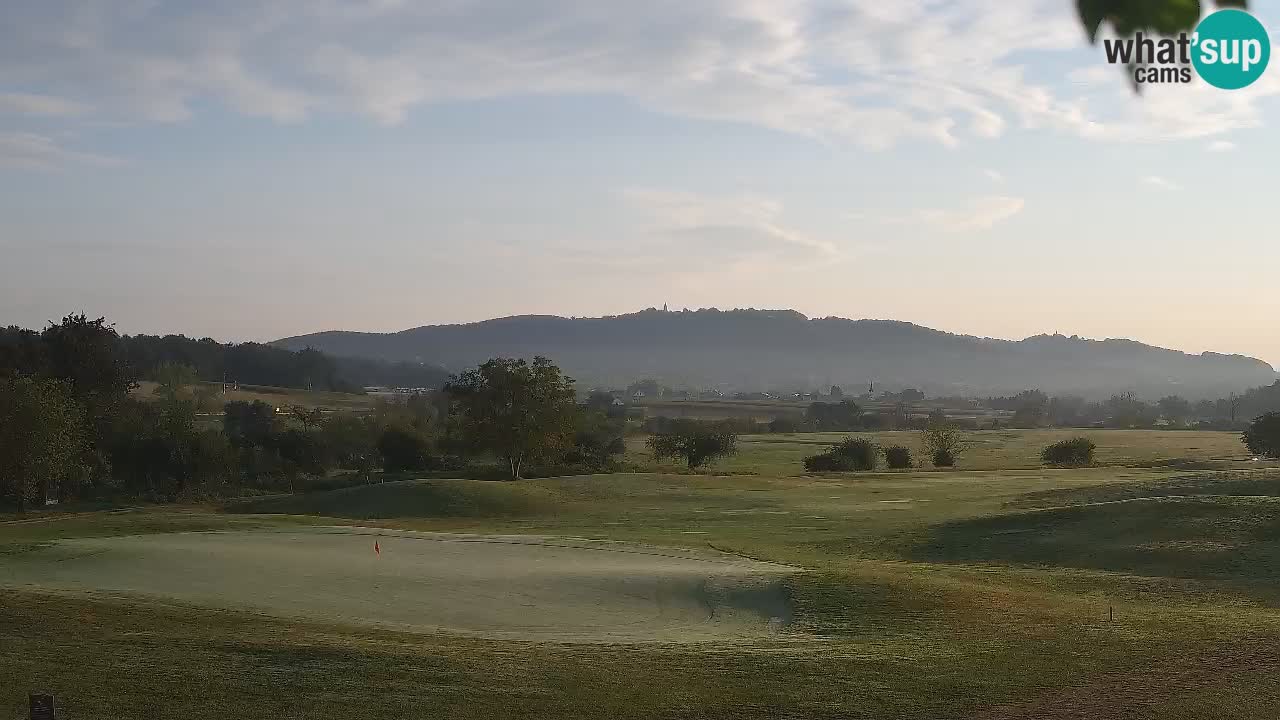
[1092,13]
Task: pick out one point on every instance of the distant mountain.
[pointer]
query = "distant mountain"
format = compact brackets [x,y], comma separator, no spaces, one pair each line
[784,350]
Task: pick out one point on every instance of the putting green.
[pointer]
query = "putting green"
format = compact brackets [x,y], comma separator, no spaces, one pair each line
[537,588]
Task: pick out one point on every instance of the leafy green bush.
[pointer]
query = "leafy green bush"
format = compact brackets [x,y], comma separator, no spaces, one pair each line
[850,454]
[825,462]
[1263,436]
[942,441]
[897,457]
[695,441]
[860,453]
[1076,452]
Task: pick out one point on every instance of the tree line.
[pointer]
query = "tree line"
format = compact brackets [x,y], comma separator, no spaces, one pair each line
[71,428]
[1034,408]
[26,351]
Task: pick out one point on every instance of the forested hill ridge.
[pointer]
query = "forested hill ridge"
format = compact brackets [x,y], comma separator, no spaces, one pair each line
[784,350]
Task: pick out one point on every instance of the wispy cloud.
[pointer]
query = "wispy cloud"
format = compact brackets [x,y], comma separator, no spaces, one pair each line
[728,228]
[1160,182]
[31,104]
[1221,146]
[981,213]
[30,150]
[994,175]
[977,213]
[862,72]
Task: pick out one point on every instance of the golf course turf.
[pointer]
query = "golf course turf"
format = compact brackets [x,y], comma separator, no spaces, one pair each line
[1133,589]
[517,587]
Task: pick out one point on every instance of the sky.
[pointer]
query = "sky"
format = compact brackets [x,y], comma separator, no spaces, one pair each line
[253,169]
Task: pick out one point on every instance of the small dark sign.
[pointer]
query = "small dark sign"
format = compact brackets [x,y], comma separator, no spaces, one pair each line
[42,707]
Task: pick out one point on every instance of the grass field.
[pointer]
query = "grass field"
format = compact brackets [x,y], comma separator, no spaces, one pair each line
[276,396]
[1146,587]
[783,454]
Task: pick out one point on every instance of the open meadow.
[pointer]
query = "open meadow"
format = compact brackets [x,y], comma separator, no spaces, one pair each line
[1147,586]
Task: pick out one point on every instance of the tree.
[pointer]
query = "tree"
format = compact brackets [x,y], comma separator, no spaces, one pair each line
[597,439]
[836,392]
[87,355]
[173,379]
[248,424]
[1174,409]
[1065,410]
[1263,436]
[694,441]
[155,449]
[518,411]
[1127,411]
[1029,409]
[405,450]
[307,417]
[301,450]
[42,433]
[943,442]
[351,442]
[844,415]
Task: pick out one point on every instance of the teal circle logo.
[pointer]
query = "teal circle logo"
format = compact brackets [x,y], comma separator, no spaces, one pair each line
[1230,49]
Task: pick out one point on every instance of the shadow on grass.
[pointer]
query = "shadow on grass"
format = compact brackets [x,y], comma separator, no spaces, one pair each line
[1261,483]
[837,604]
[1226,542]
[410,499]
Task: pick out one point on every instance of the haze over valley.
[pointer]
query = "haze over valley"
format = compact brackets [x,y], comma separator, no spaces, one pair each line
[754,350]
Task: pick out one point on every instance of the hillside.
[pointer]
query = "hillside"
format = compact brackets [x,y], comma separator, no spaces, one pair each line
[782,349]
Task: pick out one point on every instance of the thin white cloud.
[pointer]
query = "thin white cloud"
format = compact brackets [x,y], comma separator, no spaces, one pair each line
[981,213]
[33,104]
[1160,182]
[30,150]
[861,72]
[1221,146]
[729,228]
[994,175]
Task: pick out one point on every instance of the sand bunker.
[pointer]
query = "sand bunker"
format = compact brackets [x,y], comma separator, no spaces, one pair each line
[500,586]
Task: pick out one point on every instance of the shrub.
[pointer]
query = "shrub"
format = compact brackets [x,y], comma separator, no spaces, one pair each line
[849,454]
[942,441]
[897,457]
[860,453]
[696,442]
[1263,436]
[943,457]
[1075,452]
[826,462]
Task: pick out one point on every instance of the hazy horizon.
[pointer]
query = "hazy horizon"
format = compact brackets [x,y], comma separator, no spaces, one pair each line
[123,329]
[251,171]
